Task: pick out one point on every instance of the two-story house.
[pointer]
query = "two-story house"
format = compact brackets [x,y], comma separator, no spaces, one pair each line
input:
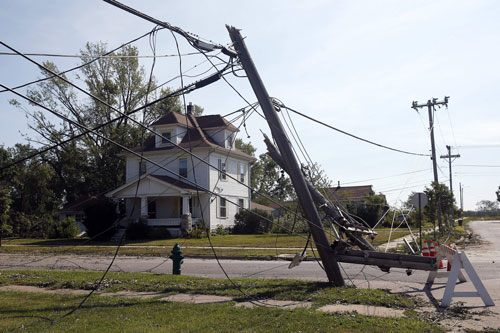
[163,197]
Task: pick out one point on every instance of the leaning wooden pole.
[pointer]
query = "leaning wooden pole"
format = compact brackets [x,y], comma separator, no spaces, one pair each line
[325,252]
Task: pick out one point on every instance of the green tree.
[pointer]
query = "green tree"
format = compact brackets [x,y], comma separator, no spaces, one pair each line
[92,164]
[370,209]
[498,194]
[438,195]
[269,179]
[487,206]
[5,201]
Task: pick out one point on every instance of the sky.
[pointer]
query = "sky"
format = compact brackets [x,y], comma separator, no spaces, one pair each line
[355,65]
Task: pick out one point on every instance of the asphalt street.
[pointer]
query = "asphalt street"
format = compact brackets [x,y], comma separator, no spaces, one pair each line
[485,259]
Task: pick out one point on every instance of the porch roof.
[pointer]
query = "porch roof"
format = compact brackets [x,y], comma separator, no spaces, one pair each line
[153,185]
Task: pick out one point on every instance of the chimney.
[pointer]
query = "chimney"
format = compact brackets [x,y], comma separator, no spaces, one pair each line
[190,108]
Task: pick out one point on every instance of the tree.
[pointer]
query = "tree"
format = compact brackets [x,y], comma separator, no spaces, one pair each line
[498,194]
[5,201]
[370,210]
[487,206]
[91,164]
[438,194]
[269,179]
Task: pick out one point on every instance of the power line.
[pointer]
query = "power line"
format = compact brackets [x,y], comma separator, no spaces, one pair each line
[352,135]
[82,65]
[110,56]
[400,174]
[478,166]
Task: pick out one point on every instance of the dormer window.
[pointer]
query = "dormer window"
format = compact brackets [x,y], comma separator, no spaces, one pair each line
[142,168]
[229,140]
[166,136]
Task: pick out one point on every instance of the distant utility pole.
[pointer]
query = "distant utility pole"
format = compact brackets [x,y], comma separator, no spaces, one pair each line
[449,157]
[431,106]
[461,198]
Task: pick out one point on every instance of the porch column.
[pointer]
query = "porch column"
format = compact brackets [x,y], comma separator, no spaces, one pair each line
[185,205]
[144,206]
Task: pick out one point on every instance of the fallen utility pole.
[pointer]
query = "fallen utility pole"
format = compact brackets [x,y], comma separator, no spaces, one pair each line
[431,106]
[327,256]
[449,157]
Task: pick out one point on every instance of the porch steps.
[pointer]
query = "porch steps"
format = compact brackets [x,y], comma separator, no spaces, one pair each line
[119,234]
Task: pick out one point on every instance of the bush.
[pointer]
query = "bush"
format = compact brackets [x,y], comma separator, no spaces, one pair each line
[158,233]
[100,217]
[290,224]
[66,228]
[197,232]
[137,230]
[220,230]
[35,226]
[248,222]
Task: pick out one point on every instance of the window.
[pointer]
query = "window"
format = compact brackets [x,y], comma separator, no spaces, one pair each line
[241,205]
[166,135]
[222,169]
[222,207]
[241,172]
[142,167]
[183,167]
[230,139]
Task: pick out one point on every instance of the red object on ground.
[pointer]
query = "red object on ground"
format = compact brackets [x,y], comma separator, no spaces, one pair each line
[425,249]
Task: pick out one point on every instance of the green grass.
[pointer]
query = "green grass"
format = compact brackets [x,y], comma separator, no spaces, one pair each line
[115,314]
[319,293]
[162,247]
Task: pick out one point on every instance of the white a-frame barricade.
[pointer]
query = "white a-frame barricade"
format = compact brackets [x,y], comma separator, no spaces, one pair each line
[458,261]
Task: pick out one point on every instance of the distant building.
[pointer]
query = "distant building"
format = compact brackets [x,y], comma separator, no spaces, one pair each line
[353,194]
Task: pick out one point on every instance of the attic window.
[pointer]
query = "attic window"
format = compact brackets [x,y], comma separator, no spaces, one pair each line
[166,136]
[230,139]
[142,167]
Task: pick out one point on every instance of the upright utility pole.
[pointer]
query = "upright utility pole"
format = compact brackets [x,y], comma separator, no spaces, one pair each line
[325,252]
[461,197]
[449,157]
[431,106]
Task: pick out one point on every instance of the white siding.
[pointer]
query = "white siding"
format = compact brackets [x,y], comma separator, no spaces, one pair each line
[230,189]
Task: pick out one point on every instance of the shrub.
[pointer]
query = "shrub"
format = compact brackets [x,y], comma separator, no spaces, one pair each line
[290,224]
[197,232]
[220,230]
[66,228]
[35,226]
[100,217]
[249,222]
[158,233]
[137,230]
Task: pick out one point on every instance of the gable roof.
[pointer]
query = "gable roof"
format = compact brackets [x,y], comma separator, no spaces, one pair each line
[195,136]
[214,121]
[172,118]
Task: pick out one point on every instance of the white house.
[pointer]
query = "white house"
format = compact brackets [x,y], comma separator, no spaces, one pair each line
[163,197]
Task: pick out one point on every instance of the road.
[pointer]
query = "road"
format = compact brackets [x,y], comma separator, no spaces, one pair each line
[485,259]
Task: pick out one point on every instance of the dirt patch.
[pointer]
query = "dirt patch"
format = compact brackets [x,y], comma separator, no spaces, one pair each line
[197,299]
[139,294]
[32,289]
[275,304]
[368,310]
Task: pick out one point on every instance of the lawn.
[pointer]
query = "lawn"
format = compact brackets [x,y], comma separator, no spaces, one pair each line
[41,312]
[319,293]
